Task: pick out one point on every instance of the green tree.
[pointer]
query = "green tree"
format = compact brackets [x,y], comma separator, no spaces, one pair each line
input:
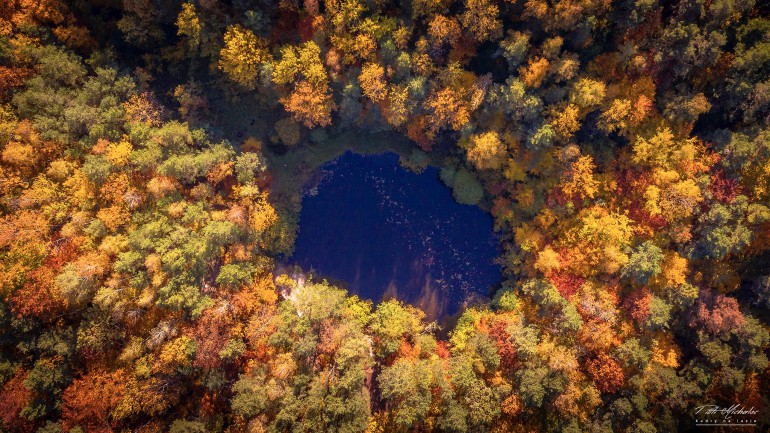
[644,263]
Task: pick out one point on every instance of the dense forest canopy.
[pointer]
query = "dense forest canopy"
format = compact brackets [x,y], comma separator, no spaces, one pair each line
[622,147]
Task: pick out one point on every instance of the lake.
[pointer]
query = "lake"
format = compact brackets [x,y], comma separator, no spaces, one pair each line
[383,231]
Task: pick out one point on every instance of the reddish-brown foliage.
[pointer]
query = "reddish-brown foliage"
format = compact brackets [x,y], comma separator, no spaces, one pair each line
[305,28]
[212,404]
[64,251]
[501,208]
[724,188]
[407,351]
[442,350]
[606,373]
[751,394]
[647,28]
[212,334]
[716,312]
[637,305]
[11,78]
[37,297]
[87,402]
[13,398]
[567,284]
[416,131]
[631,186]
[505,347]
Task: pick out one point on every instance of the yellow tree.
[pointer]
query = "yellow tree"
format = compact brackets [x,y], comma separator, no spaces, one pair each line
[565,121]
[481,20]
[616,117]
[242,55]
[300,63]
[447,110]
[588,93]
[372,80]
[487,151]
[444,30]
[674,163]
[580,182]
[310,100]
[189,24]
[597,240]
[396,111]
[535,72]
[309,105]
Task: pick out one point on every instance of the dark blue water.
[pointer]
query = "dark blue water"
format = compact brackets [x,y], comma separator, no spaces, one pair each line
[387,232]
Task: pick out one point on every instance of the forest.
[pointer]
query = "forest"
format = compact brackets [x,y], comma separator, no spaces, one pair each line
[152,158]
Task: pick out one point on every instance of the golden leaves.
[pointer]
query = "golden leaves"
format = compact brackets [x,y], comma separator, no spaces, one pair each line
[241,56]
[372,80]
[487,151]
[580,181]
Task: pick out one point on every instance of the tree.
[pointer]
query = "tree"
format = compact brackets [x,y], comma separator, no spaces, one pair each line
[447,111]
[480,19]
[234,275]
[288,131]
[299,63]
[660,313]
[38,297]
[535,384]
[686,109]
[140,23]
[535,72]
[744,156]
[565,122]
[686,47]
[542,137]
[547,260]
[188,24]
[724,229]
[514,48]
[192,103]
[597,241]
[15,397]
[393,322]
[487,151]
[616,116]
[428,7]
[242,56]
[466,188]
[406,386]
[580,182]
[587,93]
[310,101]
[716,313]
[184,426]
[88,402]
[443,31]
[644,263]
[372,79]
[310,106]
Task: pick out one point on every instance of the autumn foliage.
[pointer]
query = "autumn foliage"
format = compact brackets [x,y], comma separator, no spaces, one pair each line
[148,152]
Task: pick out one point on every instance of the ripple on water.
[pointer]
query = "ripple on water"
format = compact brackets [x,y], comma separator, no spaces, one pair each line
[385,232]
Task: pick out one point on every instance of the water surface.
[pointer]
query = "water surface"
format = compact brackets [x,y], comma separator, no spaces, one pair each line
[385,231]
